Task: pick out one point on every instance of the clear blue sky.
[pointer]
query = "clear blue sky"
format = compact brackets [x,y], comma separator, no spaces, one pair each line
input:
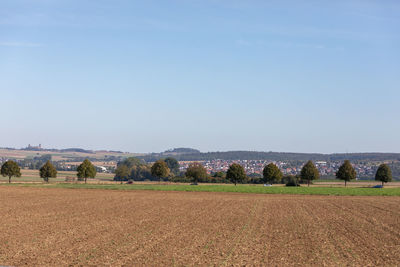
[142,76]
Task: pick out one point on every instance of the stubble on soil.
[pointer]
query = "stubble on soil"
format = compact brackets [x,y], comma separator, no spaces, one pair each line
[53,227]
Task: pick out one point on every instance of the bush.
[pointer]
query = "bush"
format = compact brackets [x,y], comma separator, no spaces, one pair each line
[255,180]
[292,183]
[291,180]
[218,180]
[180,179]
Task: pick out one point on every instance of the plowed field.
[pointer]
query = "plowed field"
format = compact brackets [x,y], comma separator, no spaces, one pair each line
[50,226]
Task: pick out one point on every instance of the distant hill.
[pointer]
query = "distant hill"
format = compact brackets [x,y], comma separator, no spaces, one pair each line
[40,148]
[177,153]
[274,156]
[182,150]
[191,154]
[78,150]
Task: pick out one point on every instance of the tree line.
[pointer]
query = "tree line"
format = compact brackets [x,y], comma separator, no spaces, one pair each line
[168,170]
[85,170]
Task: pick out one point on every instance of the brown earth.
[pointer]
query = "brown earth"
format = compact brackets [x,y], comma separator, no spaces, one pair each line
[53,227]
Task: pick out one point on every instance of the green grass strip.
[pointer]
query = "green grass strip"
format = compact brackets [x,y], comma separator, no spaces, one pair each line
[334,191]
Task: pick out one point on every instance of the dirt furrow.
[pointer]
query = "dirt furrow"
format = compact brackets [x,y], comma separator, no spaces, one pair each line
[56,227]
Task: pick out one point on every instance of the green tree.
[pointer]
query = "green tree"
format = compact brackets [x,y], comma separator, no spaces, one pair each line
[197,172]
[160,169]
[346,172]
[86,170]
[271,174]
[132,168]
[131,161]
[141,172]
[383,174]
[291,180]
[173,165]
[48,171]
[9,169]
[236,174]
[122,172]
[309,172]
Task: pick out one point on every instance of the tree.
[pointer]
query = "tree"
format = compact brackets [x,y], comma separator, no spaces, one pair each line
[346,172]
[197,172]
[236,173]
[131,161]
[132,168]
[291,180]
[160,169]
[173,165]
[9,169]
[48,171]
[383,174]
[309,172]
[272,173]
[86,170]
[141,172]
[122,172]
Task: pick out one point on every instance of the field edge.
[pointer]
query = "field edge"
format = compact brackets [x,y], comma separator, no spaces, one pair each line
[328,191]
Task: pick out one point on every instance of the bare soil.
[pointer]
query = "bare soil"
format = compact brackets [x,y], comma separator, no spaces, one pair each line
[53,227]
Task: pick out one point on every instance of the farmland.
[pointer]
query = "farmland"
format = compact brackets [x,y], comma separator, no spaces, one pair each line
[58,226]
[59,155]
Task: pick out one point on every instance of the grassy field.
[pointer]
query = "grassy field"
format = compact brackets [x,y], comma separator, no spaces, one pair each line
[252,189]
[64,227]
[333,180]
[104,181]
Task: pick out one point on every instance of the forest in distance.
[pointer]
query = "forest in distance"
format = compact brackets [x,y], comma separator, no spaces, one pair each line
[188,154]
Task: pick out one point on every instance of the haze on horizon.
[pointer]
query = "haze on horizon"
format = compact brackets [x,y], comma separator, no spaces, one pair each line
[147,76]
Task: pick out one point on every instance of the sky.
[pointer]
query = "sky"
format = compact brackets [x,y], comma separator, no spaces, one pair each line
[215,75]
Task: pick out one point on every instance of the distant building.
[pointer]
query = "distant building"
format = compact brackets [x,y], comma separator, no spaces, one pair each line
[102,168]
[35,148]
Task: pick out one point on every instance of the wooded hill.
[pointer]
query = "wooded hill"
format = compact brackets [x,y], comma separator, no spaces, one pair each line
[273,156]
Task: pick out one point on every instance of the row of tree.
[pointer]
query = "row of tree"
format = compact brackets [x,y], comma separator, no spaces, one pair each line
[309,172]
[135,169]
[85,170]
[271,173]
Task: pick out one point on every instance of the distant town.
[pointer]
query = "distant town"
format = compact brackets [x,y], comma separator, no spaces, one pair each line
[255,167]
[365,164]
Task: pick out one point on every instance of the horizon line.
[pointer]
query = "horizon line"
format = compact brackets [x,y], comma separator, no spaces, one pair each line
[215,151]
